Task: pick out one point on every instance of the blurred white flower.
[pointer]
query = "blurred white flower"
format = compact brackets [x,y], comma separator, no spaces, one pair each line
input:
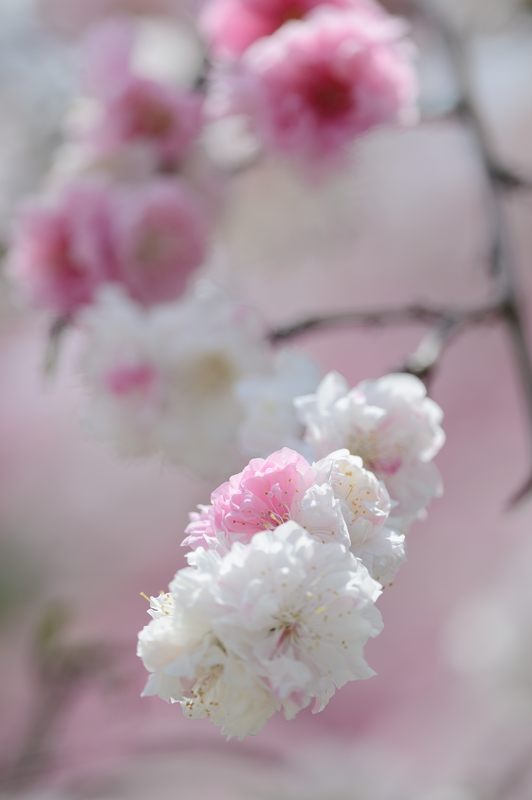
[274,624]
[164,380]
[391,424]
[488,641]
[269,416]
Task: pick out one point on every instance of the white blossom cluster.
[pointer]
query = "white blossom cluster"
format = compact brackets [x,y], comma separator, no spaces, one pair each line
[193,381]
[278,601]
[391,424]
[275,624]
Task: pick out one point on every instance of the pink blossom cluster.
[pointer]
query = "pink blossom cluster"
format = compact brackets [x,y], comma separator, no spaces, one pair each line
[131,212]
[136,208]
[311,77]
[149,238]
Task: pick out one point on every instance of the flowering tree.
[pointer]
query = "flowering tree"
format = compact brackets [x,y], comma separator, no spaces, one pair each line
[322,480]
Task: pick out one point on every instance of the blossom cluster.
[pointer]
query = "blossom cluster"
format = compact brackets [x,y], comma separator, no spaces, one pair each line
[122,205]
[310,77]
[186,381]
[286,563]
[133,200]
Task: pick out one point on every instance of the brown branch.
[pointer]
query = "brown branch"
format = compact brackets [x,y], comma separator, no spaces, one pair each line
[387,317]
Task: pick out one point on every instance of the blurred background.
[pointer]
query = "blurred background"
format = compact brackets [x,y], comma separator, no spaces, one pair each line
[83,532]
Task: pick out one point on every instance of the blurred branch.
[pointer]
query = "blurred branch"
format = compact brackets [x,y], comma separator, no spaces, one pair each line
[55,339]
[501,262]
[446,323]
[387,317]
[60,671]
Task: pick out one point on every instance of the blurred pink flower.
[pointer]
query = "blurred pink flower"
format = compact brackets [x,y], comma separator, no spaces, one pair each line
[148,112]
[61,250]
[318,84]
[148,238]
[159,233]
[134,109]
[231,26]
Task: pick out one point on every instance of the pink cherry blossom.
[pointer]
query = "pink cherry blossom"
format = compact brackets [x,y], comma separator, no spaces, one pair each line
[159,234]
[316,85]
[263,496]
[143,111]
[134,109]
[148,238]
[231,26]
[61,251]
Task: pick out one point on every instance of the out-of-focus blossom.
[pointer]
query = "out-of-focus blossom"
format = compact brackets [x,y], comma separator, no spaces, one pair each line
[61,251]
[143,111]
[147,237]
[231,26]
[275,624]
[391,424]
[133,108]
[365,505]
[488,639]
[269,416]
[316,85]
[165,380]
[159,232]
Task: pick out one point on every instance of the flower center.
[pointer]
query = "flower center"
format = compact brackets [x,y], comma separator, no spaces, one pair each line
[292,11]
[329,95]
[272,519]
[212,374]
[150,118]
[376,457]
[202,697]
[155,247]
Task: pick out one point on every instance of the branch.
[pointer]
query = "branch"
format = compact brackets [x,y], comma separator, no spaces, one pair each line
[386,317]
[502,266]
[60,669]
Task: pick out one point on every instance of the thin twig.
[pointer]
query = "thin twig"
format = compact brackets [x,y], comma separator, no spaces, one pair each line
[386,317]
[424,361]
